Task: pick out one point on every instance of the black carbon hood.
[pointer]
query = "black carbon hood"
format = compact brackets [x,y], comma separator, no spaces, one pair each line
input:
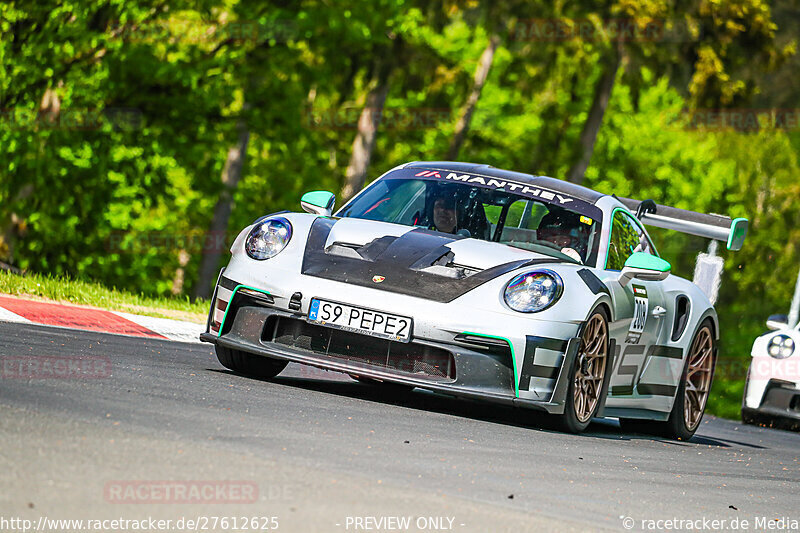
[401,262]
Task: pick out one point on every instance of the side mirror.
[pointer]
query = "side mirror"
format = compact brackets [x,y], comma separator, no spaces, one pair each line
[776,322]
[318,202]
[645,267]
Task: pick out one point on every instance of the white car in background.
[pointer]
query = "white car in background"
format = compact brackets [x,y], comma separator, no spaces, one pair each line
[772,389]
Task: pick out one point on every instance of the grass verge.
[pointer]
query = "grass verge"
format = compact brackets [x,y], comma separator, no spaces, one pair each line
[79,292]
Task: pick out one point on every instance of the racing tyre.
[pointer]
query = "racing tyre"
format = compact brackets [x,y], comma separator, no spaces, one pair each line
[249,364]
[690,400]
[586,375]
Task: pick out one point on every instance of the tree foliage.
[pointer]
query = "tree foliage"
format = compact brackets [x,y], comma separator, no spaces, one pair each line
[117,119]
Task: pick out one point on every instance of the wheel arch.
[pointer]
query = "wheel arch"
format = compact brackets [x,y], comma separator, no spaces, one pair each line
[604,303]
[709,313]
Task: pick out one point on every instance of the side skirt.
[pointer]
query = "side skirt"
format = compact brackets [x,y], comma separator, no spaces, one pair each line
[643,414]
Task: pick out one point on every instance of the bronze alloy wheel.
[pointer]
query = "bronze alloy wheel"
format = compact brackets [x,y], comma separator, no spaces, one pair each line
[590,368]
[698,378]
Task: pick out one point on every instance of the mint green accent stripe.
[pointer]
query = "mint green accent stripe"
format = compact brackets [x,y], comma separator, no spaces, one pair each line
[227,308]
[513,355]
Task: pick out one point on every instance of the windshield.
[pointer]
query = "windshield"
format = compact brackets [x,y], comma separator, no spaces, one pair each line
[508,212]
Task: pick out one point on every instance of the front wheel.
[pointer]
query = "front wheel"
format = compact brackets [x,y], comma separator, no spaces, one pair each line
[587,374]
[249,364]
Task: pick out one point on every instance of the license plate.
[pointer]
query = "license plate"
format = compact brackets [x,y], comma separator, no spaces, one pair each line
[360,320]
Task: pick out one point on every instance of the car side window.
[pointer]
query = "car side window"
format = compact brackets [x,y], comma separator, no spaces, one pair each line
[627,237]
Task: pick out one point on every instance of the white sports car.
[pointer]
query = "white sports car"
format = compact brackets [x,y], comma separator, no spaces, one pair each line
[480,283]
[772,390]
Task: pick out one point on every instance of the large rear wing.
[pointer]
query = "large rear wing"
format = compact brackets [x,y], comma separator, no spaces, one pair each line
[717,227]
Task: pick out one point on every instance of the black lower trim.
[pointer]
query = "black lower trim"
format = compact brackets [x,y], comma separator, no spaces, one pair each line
[541,371]
[258,328]
[226,283]
[496,394]
[780,396]
[639,414]
[559,345]
[529,367]
[656,390]
[420,360]
[665,351]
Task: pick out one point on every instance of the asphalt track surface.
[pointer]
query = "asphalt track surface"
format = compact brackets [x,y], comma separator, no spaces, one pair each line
[321,447]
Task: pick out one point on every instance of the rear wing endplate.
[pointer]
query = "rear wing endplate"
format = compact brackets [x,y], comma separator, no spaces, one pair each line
[717,227]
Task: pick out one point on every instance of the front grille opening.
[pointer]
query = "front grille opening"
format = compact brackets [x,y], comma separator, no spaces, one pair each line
[412,359]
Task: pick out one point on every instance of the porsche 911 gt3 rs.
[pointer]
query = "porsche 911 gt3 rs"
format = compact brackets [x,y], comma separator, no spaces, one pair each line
[480,283]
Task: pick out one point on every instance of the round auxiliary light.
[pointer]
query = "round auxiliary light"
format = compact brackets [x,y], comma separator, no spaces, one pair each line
[268,238]
[533,291]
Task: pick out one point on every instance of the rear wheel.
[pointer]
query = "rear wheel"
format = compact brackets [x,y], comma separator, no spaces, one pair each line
[587,374]
[690,400]
[249,364]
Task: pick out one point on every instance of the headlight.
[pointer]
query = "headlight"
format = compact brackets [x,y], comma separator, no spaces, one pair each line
[534,291]
[268,238]
[780,346]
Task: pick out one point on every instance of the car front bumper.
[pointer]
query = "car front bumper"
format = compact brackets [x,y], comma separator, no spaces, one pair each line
[471,366]
[780,400]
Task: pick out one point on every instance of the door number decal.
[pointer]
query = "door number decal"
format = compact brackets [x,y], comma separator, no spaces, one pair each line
[640,309]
